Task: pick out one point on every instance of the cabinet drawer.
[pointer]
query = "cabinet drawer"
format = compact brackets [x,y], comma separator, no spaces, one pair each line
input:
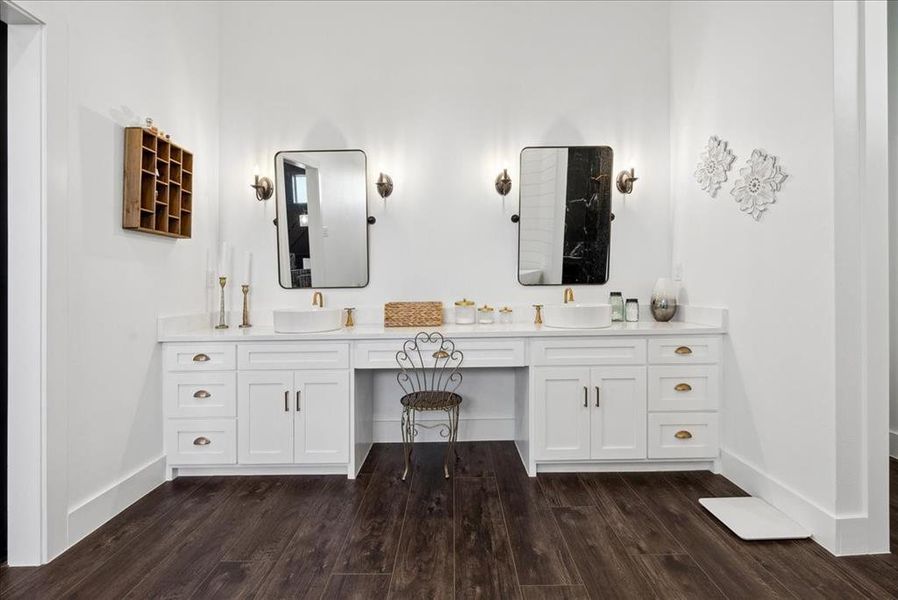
[201,441]
[683,387]
[477,353]
[200,395]
[313,355]
[683,435]
[200,357]
[691,350]
[613,351]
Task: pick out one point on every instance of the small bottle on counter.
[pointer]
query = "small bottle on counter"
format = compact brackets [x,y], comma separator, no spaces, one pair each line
[617,306]
[486,315]
[465,314]
[506,315]
[632,310]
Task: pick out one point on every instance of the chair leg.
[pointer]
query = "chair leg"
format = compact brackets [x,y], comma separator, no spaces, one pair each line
[408,438]
[452,413]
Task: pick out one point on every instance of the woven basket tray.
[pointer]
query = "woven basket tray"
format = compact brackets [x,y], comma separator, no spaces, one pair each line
[413,314]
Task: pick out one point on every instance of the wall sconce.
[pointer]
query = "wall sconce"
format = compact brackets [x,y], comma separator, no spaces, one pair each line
[625,180]
[264,188]
[384,185]
[503,183]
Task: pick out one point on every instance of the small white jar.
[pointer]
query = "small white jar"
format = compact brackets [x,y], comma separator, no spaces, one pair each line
[506,315]
[486,315]
[465,313]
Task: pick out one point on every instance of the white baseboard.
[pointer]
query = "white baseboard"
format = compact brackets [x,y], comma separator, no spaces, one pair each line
[893,443]
[248,470]
[838,534]
[93,512]
[469,430]
[623,466]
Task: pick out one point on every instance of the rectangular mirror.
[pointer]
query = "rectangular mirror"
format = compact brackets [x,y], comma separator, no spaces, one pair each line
[322,218]
[564,231]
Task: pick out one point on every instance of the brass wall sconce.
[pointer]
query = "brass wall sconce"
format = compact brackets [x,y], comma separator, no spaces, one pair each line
[503,183]
[264,188]
[625,180]
[384,185]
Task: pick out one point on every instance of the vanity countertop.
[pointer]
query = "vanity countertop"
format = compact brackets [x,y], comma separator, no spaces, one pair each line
[376,332]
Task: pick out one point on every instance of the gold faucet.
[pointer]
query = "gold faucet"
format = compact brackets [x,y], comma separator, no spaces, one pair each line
[318,300]
[568,295]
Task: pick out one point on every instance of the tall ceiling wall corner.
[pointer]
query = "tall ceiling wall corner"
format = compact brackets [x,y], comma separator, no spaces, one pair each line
[861,235]
[27,453]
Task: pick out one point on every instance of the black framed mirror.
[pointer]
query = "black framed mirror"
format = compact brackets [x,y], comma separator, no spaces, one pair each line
[322,218]
[564,226]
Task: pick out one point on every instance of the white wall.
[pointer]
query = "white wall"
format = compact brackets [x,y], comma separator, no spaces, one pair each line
[442,96]
[794,427]
[108,66]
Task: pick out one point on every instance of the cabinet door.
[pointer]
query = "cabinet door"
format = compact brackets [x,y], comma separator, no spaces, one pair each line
[321,405]
[618,428]
[265,417]
[561,413]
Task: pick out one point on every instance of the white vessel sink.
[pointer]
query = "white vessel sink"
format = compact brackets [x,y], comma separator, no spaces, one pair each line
[307,320]
[577,316]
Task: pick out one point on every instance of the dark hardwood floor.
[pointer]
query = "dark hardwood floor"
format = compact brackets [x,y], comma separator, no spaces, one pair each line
[490,532]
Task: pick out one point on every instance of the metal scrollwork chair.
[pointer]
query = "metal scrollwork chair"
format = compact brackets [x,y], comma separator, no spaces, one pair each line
[429,384]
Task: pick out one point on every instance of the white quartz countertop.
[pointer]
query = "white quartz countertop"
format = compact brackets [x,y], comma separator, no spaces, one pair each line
[266,333]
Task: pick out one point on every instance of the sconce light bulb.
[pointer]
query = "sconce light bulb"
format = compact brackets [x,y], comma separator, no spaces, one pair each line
[384,185]
[503,183]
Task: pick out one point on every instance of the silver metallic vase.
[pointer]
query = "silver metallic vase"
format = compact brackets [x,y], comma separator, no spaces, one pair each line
[664,299]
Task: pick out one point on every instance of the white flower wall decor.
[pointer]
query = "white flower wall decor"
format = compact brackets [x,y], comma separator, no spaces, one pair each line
[761,178]
[713,165]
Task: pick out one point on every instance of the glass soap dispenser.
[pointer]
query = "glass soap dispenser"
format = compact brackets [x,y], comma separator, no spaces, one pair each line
[617,306]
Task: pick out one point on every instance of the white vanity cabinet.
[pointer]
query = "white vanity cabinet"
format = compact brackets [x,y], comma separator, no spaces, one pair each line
[257,405]
[293,417]
[632,396]
[583,413]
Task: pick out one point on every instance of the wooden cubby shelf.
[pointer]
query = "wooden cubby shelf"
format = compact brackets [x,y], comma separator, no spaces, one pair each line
[158,187]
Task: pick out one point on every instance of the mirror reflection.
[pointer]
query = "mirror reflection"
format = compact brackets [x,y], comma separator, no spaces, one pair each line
[565,215]
[322,212]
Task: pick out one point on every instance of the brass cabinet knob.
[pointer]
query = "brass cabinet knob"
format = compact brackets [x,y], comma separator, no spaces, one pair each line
[683,435]
[683,350]
[201,357]
[202,441]
[202,394]
[683,387]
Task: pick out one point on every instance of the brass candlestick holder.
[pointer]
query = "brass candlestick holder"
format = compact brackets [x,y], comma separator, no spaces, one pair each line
[222,316]
[246,323]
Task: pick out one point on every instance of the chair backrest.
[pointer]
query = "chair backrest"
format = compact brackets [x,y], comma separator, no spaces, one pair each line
[429,363]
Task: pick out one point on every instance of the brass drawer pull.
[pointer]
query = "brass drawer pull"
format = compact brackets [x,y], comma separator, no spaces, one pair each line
[202,441]
[202,394]
[683,350]
[683,435]
[201,357]
[683,387]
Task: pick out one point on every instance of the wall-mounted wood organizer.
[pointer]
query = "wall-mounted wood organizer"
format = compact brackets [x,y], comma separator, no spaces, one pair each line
[158,190]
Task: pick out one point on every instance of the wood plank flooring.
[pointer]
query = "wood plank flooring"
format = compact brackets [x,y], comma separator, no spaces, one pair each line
[490,532]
